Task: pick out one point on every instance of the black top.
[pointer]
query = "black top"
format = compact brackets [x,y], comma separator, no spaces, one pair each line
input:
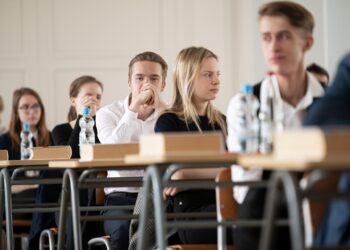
[5,144]
[169,122]
[63,134]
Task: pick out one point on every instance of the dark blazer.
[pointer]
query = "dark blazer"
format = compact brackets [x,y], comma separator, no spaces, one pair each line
[334,110]
[5,143]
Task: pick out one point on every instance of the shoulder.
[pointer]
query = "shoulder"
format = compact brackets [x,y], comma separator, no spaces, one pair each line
[61,128]
[167,121]
[114,109]
[5,141]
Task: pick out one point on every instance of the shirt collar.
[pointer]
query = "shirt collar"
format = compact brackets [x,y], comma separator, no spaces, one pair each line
[314,90]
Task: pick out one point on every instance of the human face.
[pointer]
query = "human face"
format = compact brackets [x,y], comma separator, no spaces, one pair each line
[144,72]
[29,110]
[89,95]
[283,45]
[207,83]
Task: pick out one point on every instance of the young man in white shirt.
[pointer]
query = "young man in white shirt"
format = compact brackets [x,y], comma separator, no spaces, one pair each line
[286,35]
[124,121]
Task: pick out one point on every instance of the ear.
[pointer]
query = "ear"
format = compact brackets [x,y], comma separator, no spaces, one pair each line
[129,85]
[72,102]
[309,43]
[163,85]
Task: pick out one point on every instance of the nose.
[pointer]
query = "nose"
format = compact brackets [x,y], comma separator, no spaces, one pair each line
[274,45]
[216,80]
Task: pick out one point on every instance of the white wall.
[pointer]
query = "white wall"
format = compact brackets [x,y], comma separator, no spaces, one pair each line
[45,44]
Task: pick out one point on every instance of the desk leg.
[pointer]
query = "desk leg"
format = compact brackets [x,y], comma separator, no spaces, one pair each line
[8,209]
[1,204]
[69,178]
[152,178]
[290,186]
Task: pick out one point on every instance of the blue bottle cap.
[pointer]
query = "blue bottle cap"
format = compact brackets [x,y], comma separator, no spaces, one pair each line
[86,111]
[247,88]
[26,126]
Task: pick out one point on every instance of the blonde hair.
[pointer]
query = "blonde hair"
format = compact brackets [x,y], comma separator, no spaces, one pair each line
[187,66]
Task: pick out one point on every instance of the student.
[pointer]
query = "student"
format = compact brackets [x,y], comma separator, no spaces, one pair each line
[2,129]
[124,121]
[85,91]
[286,35]
[334,110]
[320,73]
[27,107]
[196,85]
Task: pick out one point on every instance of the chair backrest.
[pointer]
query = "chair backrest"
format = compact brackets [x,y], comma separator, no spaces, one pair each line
[318,207]
[225,203]
[4,155]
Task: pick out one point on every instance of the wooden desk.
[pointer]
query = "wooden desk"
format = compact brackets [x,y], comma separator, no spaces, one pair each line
[173,163]
[6,183]
[72,183]
[269,162]
[283,176]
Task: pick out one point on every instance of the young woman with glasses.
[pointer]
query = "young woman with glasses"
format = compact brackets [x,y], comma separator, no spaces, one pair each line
[27,107]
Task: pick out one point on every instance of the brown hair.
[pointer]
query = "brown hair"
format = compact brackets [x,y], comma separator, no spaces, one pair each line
[317,69]
[297,15]
[74,91]
[151,57]
[15,124]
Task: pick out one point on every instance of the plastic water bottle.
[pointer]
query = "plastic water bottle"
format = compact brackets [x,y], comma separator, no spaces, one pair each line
[248,132]
[26,141]
[266,127]
[271,114]
[86,123]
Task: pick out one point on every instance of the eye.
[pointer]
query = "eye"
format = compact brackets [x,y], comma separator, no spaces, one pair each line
[266,38]
[139,78]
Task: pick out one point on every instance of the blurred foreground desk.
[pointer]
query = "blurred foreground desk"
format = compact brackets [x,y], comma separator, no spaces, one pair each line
[283,176]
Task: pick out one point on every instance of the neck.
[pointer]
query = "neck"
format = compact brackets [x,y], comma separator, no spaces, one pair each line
[201,107]
[293,87]
[33,129]
[72,123]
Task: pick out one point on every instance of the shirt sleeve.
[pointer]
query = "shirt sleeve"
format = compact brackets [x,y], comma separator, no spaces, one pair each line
[232,137]
[116,127]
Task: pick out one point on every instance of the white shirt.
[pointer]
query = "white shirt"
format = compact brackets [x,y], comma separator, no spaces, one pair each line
[293,118]
[117,124]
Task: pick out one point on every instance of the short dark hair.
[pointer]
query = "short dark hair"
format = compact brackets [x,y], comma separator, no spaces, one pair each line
[317,69]
[297,15]
[151,57]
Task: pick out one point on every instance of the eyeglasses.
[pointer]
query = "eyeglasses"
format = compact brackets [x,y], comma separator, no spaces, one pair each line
[26,108]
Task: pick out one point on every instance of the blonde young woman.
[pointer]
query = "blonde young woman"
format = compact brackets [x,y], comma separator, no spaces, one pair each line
[196,84]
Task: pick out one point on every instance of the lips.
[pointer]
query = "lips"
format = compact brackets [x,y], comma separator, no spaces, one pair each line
[214,91]
[276,59]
